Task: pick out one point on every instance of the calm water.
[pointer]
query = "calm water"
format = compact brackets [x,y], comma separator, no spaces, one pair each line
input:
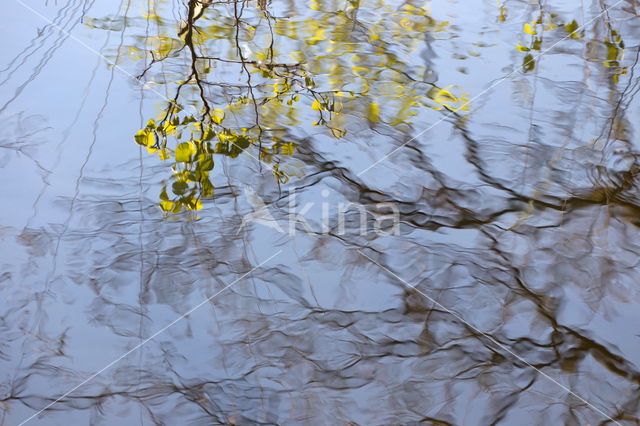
[177,245]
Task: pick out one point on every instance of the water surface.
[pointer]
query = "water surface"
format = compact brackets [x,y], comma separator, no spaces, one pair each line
[152,155]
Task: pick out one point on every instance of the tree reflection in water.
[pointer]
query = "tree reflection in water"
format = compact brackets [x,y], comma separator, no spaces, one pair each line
[518,213]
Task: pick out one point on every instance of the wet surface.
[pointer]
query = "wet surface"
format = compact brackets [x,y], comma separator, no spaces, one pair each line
[178,247]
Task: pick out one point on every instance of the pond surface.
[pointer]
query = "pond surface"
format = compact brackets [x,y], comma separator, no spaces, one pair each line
[324,212]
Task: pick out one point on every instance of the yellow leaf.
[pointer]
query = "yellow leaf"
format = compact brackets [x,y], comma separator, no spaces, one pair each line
[530,29]
[360,71]
[316,105]
[218,116]
[189,204]
[167,206]
[317,36]
[338,133]
[145,138]
[288,148]
[503,14]
[406,23]
[141,137]
[448,99]
[522,48]
[374,113]
[373,35]
[169,128]
[185,151]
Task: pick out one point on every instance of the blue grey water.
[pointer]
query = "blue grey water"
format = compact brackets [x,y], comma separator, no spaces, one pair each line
[166,169]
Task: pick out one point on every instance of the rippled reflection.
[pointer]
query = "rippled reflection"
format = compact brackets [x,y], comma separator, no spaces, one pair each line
[143,182]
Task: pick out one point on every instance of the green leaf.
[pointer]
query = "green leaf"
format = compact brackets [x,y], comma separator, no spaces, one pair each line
[528,63]
[537,43]
[179,187]
[571,28]
[207,163]
[239,144]
[207,188]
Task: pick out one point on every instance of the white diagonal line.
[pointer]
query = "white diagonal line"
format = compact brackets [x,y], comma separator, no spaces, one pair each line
[86,46]
[488,336]
[119,68]
[494,84]
[139,345]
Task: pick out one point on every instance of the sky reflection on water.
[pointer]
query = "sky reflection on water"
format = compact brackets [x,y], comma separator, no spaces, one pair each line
[504,135]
